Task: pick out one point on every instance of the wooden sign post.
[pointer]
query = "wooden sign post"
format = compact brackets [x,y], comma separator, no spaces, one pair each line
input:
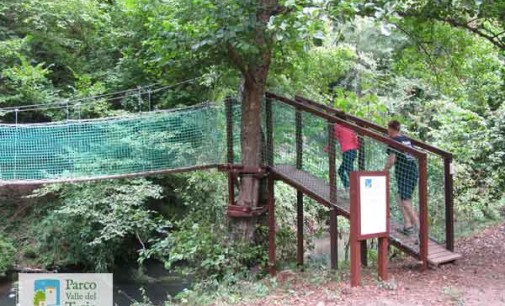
[369,218]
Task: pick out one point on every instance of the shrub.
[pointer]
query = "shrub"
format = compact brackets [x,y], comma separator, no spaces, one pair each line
[97,222]
[7,253]
[200,237]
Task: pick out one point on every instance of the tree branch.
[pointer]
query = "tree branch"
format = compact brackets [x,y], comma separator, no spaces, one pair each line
[466,25]
[475,30]
[281,10]
[140,240]
[238,61]
[425,51]
[499,34]
[472,20]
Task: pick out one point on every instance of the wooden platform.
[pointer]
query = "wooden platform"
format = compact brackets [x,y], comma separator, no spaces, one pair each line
[319,190]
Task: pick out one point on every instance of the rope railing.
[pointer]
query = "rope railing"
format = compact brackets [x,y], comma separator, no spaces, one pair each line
[132,92]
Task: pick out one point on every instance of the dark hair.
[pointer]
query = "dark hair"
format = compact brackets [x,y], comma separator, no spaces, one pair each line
[394,125]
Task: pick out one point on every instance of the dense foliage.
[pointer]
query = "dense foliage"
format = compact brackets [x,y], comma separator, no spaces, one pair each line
[94,222]
[438,66]
[7,254]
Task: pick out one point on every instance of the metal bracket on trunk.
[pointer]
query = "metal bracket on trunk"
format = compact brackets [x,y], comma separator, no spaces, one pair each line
[236,211]
[258,172]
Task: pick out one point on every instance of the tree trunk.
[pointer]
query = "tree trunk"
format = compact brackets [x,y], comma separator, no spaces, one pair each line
[252,97]
[255,73]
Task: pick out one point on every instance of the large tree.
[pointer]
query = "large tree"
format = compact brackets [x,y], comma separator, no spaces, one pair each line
[242,36]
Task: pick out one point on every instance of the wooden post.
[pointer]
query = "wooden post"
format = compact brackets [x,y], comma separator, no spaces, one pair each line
[334,238]
[270,187]
[271,225]
[383,258]
[333,197]
[355,262]
[299,224]
[355,243]
[299,194]
[270,132]
[423,211]
[299,139]
[362,167]
[229,148]
[361,154]
[449,204]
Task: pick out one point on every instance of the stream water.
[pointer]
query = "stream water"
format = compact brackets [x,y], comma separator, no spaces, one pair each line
[322,249]
[157,282]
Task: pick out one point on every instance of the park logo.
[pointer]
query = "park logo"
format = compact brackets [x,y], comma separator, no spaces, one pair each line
[80,289]
[47,292]
[368,183]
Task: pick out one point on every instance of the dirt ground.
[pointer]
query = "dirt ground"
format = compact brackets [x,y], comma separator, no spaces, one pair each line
[476,279]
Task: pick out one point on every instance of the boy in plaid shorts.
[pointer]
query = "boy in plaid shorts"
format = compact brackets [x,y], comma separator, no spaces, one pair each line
[406,175]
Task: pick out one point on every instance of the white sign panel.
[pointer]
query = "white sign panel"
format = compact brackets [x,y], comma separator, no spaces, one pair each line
[373,200]
[80,289]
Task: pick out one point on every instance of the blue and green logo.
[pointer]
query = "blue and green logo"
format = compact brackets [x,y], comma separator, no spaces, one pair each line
[368,183]
[47,292]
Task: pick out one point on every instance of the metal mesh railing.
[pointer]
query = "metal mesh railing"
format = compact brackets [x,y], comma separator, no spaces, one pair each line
[315,153]
[284,133]
[315,146]
[436,198]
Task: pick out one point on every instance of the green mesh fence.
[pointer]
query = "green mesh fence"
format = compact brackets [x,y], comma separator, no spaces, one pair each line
[371,156]
[236,117]
[436,198]
[315,131]
[284,131]
[110,147]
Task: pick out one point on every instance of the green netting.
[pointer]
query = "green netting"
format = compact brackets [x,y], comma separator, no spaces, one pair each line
[136,144]
[236,117]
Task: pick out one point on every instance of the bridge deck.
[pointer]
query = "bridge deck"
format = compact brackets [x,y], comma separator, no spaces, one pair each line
[319,190]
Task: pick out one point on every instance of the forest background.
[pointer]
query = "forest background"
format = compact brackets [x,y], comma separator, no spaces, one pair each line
[438,66]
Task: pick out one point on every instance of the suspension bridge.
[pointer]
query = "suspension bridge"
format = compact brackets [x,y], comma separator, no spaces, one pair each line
[206,136]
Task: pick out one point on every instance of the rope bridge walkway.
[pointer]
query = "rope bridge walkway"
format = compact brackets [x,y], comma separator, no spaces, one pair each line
[140,144]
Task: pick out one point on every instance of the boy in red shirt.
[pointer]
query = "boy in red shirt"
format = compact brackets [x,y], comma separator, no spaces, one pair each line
[349,145]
